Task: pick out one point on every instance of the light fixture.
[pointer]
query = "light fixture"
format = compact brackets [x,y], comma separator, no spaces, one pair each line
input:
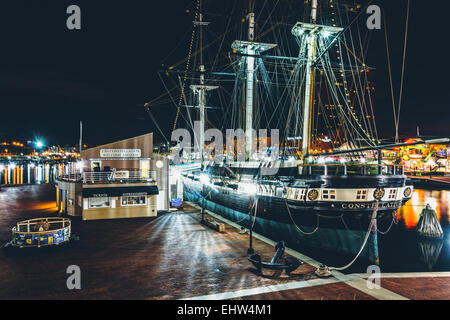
[204,178]
[250,189]
[80,165]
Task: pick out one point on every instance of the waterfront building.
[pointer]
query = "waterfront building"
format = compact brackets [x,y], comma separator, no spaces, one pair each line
[123,179]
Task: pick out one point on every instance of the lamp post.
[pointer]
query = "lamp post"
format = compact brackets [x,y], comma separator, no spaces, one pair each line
[204,179]
[250,247]
[203,203]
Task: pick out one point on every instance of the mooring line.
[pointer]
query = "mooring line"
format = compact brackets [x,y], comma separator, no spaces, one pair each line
[354,280]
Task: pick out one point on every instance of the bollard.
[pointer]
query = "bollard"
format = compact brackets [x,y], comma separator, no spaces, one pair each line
[429,226]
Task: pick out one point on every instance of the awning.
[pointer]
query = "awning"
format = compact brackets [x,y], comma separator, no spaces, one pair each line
[120,191]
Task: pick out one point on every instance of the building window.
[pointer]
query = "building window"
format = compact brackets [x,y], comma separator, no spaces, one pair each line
[361,195]
[102,202]
[134,201]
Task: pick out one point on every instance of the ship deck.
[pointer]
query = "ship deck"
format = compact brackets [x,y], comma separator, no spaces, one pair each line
[172,256]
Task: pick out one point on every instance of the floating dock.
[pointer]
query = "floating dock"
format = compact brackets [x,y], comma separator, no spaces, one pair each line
[174,256]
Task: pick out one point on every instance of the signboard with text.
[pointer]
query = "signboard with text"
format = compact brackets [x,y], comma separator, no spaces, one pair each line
[120,153]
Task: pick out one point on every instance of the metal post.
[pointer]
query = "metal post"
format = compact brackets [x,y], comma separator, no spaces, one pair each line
[380,161]
[81,136]
[203,203]
[250,247]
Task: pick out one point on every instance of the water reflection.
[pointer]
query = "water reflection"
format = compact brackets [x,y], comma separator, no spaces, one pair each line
[33,173]
[401,250]
[429,252]
[438,200]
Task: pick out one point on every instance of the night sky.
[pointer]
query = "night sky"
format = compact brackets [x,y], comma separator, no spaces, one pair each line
[51,77]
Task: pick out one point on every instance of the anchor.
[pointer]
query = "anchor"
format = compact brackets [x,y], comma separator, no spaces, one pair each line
[290,264]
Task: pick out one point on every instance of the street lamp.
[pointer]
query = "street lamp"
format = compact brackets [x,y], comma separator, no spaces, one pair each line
[203,203]
[252,190]
[204,179]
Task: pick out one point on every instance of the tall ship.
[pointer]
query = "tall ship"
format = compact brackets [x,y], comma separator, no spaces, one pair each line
[322,183]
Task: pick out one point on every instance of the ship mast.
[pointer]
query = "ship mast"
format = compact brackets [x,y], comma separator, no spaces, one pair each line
[309,93]
[200,90]
[250,49]
[311,31]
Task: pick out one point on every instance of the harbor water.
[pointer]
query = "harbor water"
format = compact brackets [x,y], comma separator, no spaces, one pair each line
[401,250]
[33,173]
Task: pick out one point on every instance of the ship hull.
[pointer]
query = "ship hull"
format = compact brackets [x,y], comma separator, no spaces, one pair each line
[334,227]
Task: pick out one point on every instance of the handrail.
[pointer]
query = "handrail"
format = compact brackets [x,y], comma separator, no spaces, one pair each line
[110,176]
[44,237]
[365,169]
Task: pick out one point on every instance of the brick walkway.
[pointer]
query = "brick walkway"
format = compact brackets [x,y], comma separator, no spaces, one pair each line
[171,256]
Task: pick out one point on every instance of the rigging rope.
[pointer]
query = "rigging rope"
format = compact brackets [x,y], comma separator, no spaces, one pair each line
[188,62]
[403,73]
[390,71]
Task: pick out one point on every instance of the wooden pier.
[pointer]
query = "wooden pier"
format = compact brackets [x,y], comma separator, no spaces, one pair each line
[173,256]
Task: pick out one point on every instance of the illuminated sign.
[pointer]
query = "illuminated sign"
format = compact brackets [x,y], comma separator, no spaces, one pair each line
[121,175]
[120,153]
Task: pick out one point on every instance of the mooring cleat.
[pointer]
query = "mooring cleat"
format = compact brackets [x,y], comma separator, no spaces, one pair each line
[243,231]
[323,271]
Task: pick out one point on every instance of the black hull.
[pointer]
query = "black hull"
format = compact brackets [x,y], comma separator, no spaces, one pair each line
[340,229]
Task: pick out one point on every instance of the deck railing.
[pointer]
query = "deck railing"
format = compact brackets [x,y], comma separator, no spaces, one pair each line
[351,169]
[121,176]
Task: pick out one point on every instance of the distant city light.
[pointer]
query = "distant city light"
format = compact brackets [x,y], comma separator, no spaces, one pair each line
[39,144]
[80,165]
